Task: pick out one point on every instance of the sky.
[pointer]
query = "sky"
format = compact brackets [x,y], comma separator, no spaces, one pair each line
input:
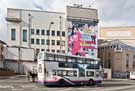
[111,13]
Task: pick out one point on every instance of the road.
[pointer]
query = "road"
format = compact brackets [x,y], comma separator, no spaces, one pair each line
[19,83]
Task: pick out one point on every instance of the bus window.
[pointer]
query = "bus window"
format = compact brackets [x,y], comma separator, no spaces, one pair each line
[64,72]
[59,72]
[40,55]
[50,57]
[90,73]
[75,73]
[98,73]
[54,72]
[80,60]
[71,59]
[81,73]
[40,68]
[71,73]
[60,58]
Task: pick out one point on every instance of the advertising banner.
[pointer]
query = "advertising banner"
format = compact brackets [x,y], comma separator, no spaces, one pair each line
[82,38]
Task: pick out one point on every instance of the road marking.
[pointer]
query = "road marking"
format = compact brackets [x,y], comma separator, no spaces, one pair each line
[29,86]
[17,89]
[7,86]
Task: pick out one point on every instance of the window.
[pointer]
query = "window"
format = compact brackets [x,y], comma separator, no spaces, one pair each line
[62,43]
[42,49]
[98,73]
[66,73]
[134,63]
[53,33]
[32,31]
[58,42]
[48,50]
[42,32]
[127,64]
[47,42]
[71,73]
[37,32]
[42,41]
[13,34]
[58,51]
[37,41]
[58,33]
[92,54]
[32,41]
[54,72]
[63,51]
[59,72]
[37,51]
[63,33]
[53,50]
[25,35]
[81,73]
[48,32]
[90,73]
[133,56]
[53,42]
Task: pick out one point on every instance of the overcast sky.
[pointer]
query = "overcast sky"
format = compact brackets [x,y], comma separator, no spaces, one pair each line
[111,12]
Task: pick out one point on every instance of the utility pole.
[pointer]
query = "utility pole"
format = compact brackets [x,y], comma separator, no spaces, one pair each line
[29,26]
[49,33]
[61,44]
[19,47]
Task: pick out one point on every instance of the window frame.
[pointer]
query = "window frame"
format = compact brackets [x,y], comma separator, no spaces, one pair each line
[13,34]
[24,39]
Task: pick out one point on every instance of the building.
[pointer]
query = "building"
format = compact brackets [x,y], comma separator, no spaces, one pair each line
[125,34]
[41,30]
[118,56]
[2,53]
[20,59]
[82,24]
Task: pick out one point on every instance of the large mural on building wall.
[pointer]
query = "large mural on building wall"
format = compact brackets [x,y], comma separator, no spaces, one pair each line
[82,38]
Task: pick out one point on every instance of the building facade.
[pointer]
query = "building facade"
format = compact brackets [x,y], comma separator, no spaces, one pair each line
[41,30]
[125,34]
[118,56]
[82,27]
[2,53]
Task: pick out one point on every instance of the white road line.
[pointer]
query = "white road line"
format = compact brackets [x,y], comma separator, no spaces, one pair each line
[17,89]
[29,86]
[6,86]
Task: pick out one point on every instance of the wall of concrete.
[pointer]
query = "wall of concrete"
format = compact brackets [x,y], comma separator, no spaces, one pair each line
[22,67]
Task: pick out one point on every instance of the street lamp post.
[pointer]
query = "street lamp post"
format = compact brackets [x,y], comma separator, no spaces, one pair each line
[61,34]
[51,23]
[29,26]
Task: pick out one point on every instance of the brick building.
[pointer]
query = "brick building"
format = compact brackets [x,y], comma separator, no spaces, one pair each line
[118,56]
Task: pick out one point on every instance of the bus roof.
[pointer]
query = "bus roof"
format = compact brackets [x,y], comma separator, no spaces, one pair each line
[67,55]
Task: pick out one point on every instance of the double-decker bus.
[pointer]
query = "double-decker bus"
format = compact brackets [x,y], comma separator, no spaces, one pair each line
[55,69]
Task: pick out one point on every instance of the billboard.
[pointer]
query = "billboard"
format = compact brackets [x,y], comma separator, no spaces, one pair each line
[82,38]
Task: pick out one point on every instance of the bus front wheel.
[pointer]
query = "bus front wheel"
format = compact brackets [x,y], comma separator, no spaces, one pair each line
[91,82]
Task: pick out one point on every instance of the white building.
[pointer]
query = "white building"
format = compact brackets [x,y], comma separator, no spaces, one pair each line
[41,30]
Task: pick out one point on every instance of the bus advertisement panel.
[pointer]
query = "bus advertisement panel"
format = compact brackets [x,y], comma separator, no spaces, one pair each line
[82,38]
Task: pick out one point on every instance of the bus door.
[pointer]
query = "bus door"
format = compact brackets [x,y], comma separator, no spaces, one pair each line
[81,72]
[40,70]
